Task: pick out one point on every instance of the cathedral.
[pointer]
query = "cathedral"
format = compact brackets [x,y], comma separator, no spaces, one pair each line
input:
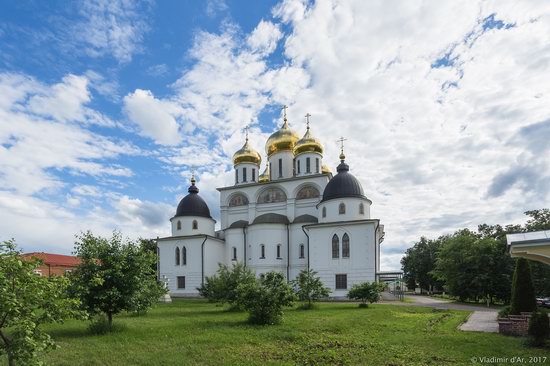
[294,215]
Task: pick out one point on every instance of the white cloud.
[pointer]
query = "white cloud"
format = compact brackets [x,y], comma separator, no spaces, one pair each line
[265,37]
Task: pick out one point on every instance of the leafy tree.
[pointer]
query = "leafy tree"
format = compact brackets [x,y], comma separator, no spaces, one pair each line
[419,263]
[310,288]
[523,293]
[265,298]
[222,287]
[366,292]
[27,301]
[115,275]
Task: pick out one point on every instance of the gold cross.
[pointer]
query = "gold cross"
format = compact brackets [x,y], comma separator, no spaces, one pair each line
[341,141]
[246,131]
[285,107]
[307,119]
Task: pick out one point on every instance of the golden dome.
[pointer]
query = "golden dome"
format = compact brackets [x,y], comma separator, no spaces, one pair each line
[264,177]
[308,143]
[282,140]
[325,169]
[246,154]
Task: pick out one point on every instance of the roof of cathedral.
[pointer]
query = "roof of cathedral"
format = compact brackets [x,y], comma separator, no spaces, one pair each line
[238,224]
[193,204]
[271,218]
[247,154]
[343,184]
[282,140]
[305,218]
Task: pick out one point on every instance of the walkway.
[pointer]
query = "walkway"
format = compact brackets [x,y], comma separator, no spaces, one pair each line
[481,321]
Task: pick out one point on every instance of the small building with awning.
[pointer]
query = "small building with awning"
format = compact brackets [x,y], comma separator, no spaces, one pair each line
[534,245]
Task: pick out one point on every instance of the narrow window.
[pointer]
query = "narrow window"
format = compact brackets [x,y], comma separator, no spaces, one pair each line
[298,166]
[278,251]
[270,170]
[177,256]
[195,225]
[181,281]
[361,209]
[335,246]
[342,208]
[179,225]
[280,168]
[253,174]
[345,246]
[234,253]
[236,176]
[262,251]
[302,251]
[244,175]
[316,165]
[324,212]
[341,281]
[184,256]
[308,168]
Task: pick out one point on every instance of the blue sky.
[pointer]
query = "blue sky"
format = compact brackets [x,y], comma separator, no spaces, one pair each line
[106,106]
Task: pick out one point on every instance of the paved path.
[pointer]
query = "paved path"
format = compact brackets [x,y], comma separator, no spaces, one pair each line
[481,321]
[432,302]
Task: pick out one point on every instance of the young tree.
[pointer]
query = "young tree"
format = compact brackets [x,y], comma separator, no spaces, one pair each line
[310,288]
[523,293]
[366,292]
[114,275]
[27,301]
[265,298]
[222,287]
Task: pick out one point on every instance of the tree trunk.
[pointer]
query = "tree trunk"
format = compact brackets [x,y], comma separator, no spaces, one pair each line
[11,360]
[110,317]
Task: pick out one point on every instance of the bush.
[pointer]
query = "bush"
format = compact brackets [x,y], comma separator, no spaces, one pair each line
[366,292]
[265,298]
[222,287]
[504,312]
[309,288]
[523,293]
[539,328]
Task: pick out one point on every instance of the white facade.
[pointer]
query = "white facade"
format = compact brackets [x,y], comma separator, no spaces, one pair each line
[282,225]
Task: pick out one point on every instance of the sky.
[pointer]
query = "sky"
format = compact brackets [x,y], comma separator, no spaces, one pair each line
[107,105]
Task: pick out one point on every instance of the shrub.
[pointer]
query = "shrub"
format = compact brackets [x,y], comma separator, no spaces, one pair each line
[539,327]
[309,288]
[222,287]
[523,293]
[366,292]
[265,298]
[504,312]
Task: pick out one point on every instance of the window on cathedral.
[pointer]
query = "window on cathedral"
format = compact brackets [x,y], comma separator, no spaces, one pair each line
[184,256]
[253,174]
[345,246]
[271,195]
[195,225]
[177,256]
[280,168]
[341,281]
[178,225]
[302,251]
[244,175]
[335,246]
[234,253]
[324,212]
[181,281]
[262,251]
[238,200]
[316,165]
[307,192]
[236,176]
[361,209]
[298,166]
[342,208]
[278,251]
[308,165]
[270,170]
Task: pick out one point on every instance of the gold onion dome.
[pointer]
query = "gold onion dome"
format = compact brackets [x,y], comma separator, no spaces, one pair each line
[264,177]
[283,140]
[308,143]
[247,154]
[325,169]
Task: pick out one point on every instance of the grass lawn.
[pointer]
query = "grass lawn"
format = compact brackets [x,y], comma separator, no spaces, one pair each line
[193,332]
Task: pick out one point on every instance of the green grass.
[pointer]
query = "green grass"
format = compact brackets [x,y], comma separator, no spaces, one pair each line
[193,332]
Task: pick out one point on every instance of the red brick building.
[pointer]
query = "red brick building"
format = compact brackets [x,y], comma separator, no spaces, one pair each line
[54,264]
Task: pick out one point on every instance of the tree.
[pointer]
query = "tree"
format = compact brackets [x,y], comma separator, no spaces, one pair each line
[222,287]
[366,292]
[523,293]
[265,298]
[310,288]
[27,301]
[539,328]
[115,275]
[419,263]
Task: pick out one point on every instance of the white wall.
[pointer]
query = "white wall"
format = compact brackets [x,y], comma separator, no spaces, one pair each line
[287,158]
[302,158]
[352,210]
[205,225]
[239,168]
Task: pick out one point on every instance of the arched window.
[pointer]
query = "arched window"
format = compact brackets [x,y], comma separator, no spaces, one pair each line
[342,208]
[179,225]
[324,212]
[272,195]
[195,225]
[361,209]
[307,192]
[262,251]
[302,251]
[335,246]
[278,251]
[177,256]
[184,256]
[238,200]
[234,253]
[345,246]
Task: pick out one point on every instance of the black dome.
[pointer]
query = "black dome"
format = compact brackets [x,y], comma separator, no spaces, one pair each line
[193,204]
[343,185]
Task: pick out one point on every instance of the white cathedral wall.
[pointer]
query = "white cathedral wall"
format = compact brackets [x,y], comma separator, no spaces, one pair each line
[287,159]
[205,225]
[302,158]
[352,210]
[252,172]
[269,235]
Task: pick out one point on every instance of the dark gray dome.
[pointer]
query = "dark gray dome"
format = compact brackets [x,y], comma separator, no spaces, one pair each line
[271,218]
[343,184]
[193,204]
